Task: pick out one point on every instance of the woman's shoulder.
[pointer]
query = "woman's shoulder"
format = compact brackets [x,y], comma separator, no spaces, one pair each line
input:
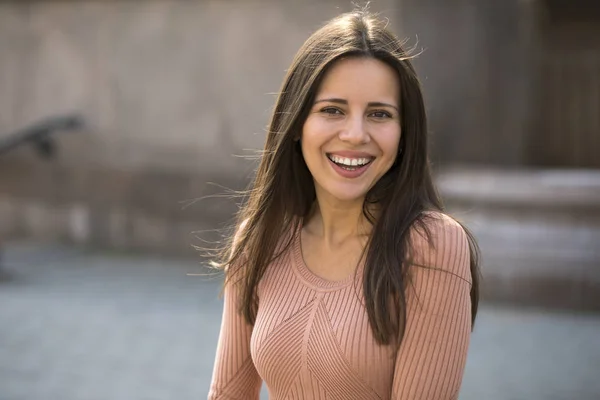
[440,223]
[438,241]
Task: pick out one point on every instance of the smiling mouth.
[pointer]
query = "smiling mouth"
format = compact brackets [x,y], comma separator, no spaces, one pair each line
[350,164]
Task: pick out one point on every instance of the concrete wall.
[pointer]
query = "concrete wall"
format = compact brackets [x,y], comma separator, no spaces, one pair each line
[566,126]
[173,85]
[476,72]
[170,92]
[182,85]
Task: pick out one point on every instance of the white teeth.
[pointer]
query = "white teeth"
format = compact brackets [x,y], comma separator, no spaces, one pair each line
[350,162]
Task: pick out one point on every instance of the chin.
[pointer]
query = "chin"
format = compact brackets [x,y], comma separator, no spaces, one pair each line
[348,195]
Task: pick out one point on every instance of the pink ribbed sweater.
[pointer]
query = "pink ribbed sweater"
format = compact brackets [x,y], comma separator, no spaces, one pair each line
[312,338]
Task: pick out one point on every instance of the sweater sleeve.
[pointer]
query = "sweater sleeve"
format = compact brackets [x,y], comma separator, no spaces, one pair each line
[431,359]
[234,375]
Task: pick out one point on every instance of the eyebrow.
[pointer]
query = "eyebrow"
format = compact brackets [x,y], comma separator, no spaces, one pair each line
[345,102]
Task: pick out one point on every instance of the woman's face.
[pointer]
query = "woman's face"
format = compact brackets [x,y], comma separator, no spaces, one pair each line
[350,138]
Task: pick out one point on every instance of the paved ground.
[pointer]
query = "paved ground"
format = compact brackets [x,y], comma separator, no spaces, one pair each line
[81,326]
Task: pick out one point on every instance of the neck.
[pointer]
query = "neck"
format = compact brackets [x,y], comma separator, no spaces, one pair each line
[335,221]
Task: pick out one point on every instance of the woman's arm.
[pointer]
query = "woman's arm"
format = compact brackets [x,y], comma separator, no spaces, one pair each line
[234,376]
[432,357]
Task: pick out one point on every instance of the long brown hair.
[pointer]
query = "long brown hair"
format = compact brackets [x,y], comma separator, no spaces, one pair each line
[282,193]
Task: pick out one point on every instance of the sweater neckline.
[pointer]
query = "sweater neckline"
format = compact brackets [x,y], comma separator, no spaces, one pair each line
[309,277]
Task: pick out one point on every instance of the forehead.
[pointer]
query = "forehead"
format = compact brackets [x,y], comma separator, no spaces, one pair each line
[360,78]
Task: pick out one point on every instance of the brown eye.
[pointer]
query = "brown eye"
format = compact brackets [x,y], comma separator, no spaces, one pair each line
[331,111]
[381,114]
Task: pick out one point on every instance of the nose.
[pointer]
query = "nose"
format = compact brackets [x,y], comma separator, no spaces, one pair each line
[355,131]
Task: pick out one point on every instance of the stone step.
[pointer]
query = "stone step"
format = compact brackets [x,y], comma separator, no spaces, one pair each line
[539,233]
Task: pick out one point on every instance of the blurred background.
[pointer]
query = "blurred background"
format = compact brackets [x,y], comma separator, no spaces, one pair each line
[121,120]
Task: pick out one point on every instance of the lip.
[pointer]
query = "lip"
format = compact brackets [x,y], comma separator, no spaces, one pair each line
[344,173]
[351,154]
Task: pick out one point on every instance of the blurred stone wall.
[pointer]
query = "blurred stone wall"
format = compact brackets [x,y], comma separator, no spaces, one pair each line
[476,72]
[509,83]
[171,91]
[171,85]
[566,119]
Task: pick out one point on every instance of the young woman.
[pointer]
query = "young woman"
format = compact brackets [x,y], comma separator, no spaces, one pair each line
[345,280]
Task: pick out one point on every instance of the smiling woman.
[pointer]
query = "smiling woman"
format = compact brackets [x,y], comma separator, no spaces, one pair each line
[354,120]
[345,279]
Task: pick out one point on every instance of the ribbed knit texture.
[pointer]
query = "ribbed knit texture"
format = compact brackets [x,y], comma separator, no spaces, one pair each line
[312,338]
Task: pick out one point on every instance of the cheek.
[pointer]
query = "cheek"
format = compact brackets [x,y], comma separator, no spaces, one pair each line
[312,138]
[389,141]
